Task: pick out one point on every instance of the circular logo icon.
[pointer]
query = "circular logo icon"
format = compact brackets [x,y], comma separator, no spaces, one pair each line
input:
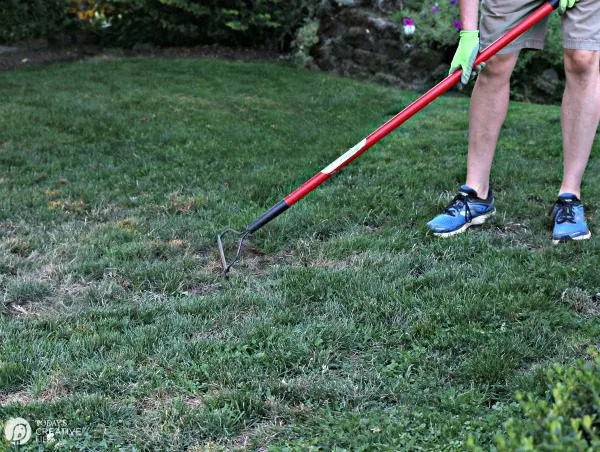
[17,430]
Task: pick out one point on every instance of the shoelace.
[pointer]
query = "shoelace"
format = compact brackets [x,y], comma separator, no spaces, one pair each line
[564,212]
[457,203]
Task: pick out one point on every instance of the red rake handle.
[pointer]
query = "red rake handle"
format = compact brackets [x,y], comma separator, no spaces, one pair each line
[408,112]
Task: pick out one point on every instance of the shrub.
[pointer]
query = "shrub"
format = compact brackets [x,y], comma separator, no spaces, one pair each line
[271,23]
[566,417]
[33,19]
[229,22]
[306,37]
[537,76]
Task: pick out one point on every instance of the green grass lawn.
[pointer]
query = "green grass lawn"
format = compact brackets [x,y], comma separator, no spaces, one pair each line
[345,325]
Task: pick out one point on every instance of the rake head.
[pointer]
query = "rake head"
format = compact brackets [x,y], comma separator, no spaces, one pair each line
[228,264]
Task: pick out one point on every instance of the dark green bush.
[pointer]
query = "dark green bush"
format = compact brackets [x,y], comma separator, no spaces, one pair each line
[33,19]
[269,23]
[229,22]
[566,417]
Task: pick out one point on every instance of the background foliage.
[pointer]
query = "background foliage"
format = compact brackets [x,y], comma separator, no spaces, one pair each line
[31,19]
[269,23]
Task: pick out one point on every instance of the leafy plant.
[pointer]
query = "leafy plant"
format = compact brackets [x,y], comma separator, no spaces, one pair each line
[566,417]
[230,22]
[33,19]
[306,37]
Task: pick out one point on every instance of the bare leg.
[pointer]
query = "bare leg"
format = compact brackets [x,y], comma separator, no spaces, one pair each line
[579,115]
[489,105]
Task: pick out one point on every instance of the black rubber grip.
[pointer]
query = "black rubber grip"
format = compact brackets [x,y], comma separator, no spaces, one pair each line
[273,212]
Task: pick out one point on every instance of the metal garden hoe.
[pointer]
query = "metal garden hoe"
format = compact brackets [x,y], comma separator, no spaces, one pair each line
[409,111]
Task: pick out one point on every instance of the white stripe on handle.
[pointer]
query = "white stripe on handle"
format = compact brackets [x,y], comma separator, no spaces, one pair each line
[334,166]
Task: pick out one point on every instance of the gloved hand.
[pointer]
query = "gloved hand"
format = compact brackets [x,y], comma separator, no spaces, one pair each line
[468,48]
[566,4]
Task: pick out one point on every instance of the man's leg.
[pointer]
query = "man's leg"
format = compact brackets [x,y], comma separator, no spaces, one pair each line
[579,115]
[489,106]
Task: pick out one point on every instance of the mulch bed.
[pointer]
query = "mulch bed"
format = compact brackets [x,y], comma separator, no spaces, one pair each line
[35,53]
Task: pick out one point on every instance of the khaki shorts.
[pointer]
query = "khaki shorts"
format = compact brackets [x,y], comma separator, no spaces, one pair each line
[580,24]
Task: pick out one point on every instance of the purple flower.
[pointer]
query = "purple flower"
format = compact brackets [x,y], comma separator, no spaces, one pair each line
[435,8]
[457,24]
[408,25]
[454,2]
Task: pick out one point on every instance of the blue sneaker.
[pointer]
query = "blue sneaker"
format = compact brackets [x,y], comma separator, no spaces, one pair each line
[465,210]
[568,218]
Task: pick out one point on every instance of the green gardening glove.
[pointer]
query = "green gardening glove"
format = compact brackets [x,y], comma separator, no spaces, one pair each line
[566,4]
[468,48]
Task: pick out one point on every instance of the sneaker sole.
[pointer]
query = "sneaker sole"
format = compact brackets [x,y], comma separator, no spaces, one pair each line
[567,239]
[474,222]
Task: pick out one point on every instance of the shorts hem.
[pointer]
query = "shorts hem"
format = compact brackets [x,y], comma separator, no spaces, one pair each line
[534,44]
[581,44]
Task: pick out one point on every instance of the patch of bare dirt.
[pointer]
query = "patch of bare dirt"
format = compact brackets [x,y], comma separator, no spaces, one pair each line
[55,390]
[21,397]
[583,302]
[252,260]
